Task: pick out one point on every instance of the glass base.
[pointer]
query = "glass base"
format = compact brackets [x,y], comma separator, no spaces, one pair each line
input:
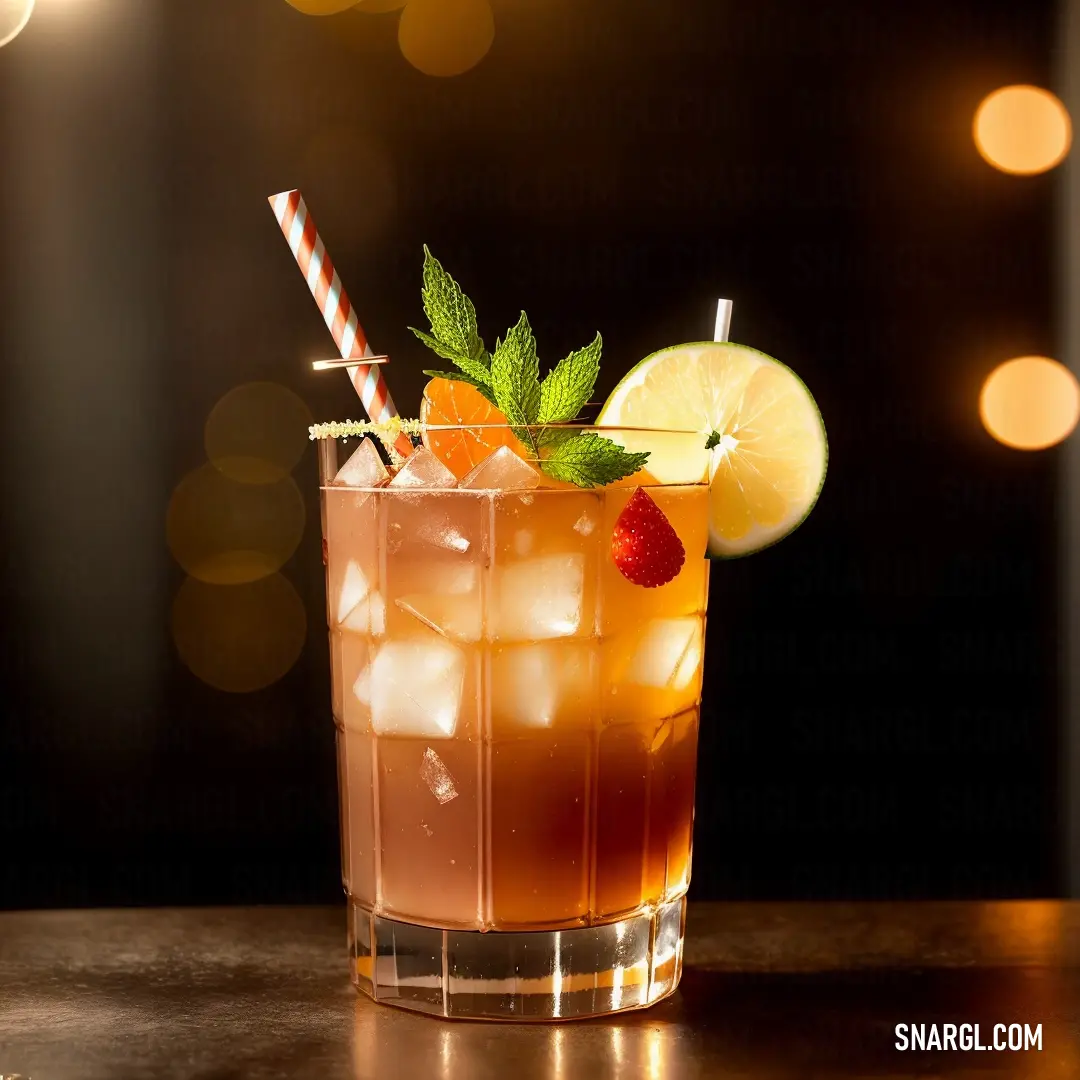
[538,975]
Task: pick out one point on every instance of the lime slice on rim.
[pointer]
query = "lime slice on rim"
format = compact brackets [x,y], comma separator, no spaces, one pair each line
[767,466]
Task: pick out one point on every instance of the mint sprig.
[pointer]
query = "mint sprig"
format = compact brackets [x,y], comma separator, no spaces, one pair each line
[590,460]
[515,378]
[474,368]
[568,387]
[510,379]
[452,317]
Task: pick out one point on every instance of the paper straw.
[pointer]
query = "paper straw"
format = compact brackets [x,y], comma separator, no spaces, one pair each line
[723,320]
[318,269]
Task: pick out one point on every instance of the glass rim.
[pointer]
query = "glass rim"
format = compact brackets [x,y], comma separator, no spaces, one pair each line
[362,429]
[599,428]
[542,490]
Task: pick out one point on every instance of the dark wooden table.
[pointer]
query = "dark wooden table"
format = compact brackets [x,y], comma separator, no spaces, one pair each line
[804,990]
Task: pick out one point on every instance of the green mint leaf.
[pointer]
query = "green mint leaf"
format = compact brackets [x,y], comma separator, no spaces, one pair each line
[551,436]
[473,368]
[451,313]
[458,376]
[589,460]
[567,388]
[515,376]
[713,440]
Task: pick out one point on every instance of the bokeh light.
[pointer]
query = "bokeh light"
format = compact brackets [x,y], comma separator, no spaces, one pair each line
[1022,130]
[446,37]
[377,7]
[1030,403]
[227,533]
[239,638]
[257,433]
[321,7]
[14,15]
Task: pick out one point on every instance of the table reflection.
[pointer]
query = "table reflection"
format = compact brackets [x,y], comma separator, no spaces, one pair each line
[635,1046]
[751,1026]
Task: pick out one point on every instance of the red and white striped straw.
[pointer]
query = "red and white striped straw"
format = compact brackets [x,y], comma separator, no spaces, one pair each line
[318,269]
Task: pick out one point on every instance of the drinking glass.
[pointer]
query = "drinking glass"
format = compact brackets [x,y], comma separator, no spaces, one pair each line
[516,740]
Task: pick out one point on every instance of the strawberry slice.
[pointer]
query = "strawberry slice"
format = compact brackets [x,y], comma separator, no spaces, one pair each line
[645,547]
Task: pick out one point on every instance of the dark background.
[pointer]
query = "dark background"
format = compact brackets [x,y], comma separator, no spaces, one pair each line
[881,701]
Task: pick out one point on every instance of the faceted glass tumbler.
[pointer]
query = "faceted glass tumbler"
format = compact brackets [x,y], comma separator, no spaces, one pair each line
[517,739]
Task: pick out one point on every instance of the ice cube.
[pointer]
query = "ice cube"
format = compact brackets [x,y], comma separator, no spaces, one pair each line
[438,779]
[354,590]
[414,688]
[369,616]
[444,595]
[351,535]
[423,469]
[584,524]
[421,523]
[539,599]
[364,468]
[395,537]
[534,683]
[442,532]
[668,654]
[361,688]
[359,608]
[523,542]
[350,655]
[445,614]
[446,577]
[502,471]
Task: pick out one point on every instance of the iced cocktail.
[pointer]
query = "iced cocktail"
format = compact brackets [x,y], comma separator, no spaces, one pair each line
[516,605]
[517,735]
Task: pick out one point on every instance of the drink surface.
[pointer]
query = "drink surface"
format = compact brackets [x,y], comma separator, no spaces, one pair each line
[517,722]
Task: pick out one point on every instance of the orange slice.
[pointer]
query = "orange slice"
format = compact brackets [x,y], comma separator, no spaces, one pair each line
[457,403]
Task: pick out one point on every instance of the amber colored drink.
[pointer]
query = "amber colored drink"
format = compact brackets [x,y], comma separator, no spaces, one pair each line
[517,735]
